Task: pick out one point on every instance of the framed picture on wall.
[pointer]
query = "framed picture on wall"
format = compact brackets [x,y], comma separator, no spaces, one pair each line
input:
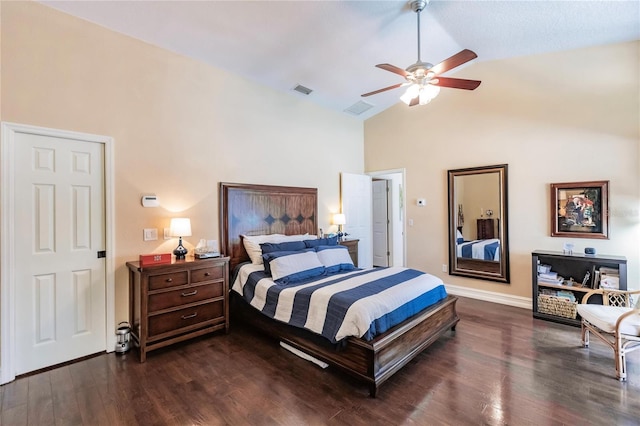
[580,209]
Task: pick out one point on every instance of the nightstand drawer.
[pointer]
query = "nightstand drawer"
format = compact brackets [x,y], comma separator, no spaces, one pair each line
[175,298]
[170,321]
[207,274]
[168,280]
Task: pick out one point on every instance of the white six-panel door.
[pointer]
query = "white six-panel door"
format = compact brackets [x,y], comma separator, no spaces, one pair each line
[59,228]
[355,192]
[380,217]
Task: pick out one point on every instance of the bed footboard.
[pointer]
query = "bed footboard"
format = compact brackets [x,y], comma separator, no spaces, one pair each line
[372,362]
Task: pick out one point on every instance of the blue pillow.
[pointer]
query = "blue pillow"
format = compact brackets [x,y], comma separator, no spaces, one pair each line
[290,267]
[335,258]
[331,241]
[460,240]
[286,246]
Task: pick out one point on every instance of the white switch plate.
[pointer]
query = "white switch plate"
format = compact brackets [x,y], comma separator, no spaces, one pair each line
[167,235]
[150,234]
[444,267]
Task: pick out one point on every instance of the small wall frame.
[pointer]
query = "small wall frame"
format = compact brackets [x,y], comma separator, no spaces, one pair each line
[580,209]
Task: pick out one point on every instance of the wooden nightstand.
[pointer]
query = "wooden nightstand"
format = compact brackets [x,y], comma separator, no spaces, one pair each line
[178,301]
[352,245]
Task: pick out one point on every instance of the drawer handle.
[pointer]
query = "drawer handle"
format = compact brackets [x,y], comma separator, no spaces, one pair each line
[185,317]
[206,274]
[169,280]
[193,293]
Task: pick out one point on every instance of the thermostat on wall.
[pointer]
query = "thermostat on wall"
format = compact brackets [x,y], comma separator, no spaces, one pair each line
[150,201]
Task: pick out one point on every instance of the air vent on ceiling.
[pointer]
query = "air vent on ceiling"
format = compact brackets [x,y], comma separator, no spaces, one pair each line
[358,108]
[301,89]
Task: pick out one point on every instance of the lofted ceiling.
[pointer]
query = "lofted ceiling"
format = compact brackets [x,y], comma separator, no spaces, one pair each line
[332,47]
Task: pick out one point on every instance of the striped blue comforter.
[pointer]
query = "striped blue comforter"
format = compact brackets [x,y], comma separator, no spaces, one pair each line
[361,303]
[480,249]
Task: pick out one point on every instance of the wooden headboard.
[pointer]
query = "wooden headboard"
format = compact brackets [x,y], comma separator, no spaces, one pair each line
[247,209]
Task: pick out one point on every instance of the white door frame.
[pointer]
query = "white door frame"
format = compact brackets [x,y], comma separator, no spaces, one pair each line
[8,237]
[380,174]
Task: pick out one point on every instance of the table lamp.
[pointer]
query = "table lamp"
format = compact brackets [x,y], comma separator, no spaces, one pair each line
[180,227]
[339,219]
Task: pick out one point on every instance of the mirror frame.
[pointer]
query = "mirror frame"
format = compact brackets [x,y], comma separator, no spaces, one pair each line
[472,268]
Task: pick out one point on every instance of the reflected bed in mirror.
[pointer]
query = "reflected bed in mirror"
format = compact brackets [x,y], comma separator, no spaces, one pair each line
[478,240]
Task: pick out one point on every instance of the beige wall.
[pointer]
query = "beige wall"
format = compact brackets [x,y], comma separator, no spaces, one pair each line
[180,126]
[561,117]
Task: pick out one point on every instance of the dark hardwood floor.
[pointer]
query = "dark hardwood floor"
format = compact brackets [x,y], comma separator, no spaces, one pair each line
[500,367]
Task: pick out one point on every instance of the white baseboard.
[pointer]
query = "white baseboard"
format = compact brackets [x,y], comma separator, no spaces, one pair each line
[490,296]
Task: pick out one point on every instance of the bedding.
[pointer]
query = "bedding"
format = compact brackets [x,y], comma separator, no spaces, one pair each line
[287,267]
[252,243]
[359,303]
[479,249]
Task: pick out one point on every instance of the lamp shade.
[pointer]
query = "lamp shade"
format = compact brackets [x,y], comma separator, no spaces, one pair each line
[339,219]
[180,227]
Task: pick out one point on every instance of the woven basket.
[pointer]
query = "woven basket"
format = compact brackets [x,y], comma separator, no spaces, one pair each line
[557,306]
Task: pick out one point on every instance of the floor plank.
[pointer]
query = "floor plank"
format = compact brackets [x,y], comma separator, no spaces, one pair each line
[500,367]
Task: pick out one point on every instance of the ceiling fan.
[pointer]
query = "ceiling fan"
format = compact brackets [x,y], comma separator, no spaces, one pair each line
[423,78]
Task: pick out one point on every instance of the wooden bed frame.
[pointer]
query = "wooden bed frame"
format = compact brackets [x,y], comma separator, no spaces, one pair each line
[263,209]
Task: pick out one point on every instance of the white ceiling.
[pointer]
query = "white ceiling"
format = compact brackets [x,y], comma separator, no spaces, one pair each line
[332,47]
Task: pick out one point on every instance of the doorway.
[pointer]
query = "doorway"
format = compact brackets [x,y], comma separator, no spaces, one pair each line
[56,282]
[395,211]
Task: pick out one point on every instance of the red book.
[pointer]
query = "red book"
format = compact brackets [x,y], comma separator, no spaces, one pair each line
[155,259]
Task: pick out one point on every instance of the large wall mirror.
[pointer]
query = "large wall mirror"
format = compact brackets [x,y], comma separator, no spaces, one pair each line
[478,239]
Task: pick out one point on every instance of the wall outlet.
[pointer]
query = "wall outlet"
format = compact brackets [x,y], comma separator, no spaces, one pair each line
[444,267]
[150,234]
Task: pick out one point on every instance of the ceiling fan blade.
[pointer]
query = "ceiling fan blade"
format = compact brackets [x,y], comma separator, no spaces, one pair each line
[455,61]
[393,69]
[456,83]
[395,86]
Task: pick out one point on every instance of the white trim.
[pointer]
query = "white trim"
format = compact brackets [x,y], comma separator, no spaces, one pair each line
[7,239]
[7,259]
[490,296]
[403,172]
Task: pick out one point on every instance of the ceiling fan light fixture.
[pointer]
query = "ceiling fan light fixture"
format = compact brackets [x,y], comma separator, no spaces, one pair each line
[424,92]
[411,93]
[428,93]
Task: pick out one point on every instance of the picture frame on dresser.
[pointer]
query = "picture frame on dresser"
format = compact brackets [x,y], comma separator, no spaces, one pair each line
[580,209]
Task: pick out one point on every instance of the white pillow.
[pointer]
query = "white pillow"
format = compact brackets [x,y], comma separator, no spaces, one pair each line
[295,266]
[252,243]
[335,258]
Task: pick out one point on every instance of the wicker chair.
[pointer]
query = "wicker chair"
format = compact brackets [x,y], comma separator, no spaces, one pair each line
[616,322]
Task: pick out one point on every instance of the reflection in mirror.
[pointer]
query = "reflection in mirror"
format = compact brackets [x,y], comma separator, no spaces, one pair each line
[478,240]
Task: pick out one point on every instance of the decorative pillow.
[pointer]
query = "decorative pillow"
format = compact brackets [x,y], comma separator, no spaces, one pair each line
[252,243]
[286,246]
[459,237]
[289,267]
[331,241]
[335,258]
[290,247]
